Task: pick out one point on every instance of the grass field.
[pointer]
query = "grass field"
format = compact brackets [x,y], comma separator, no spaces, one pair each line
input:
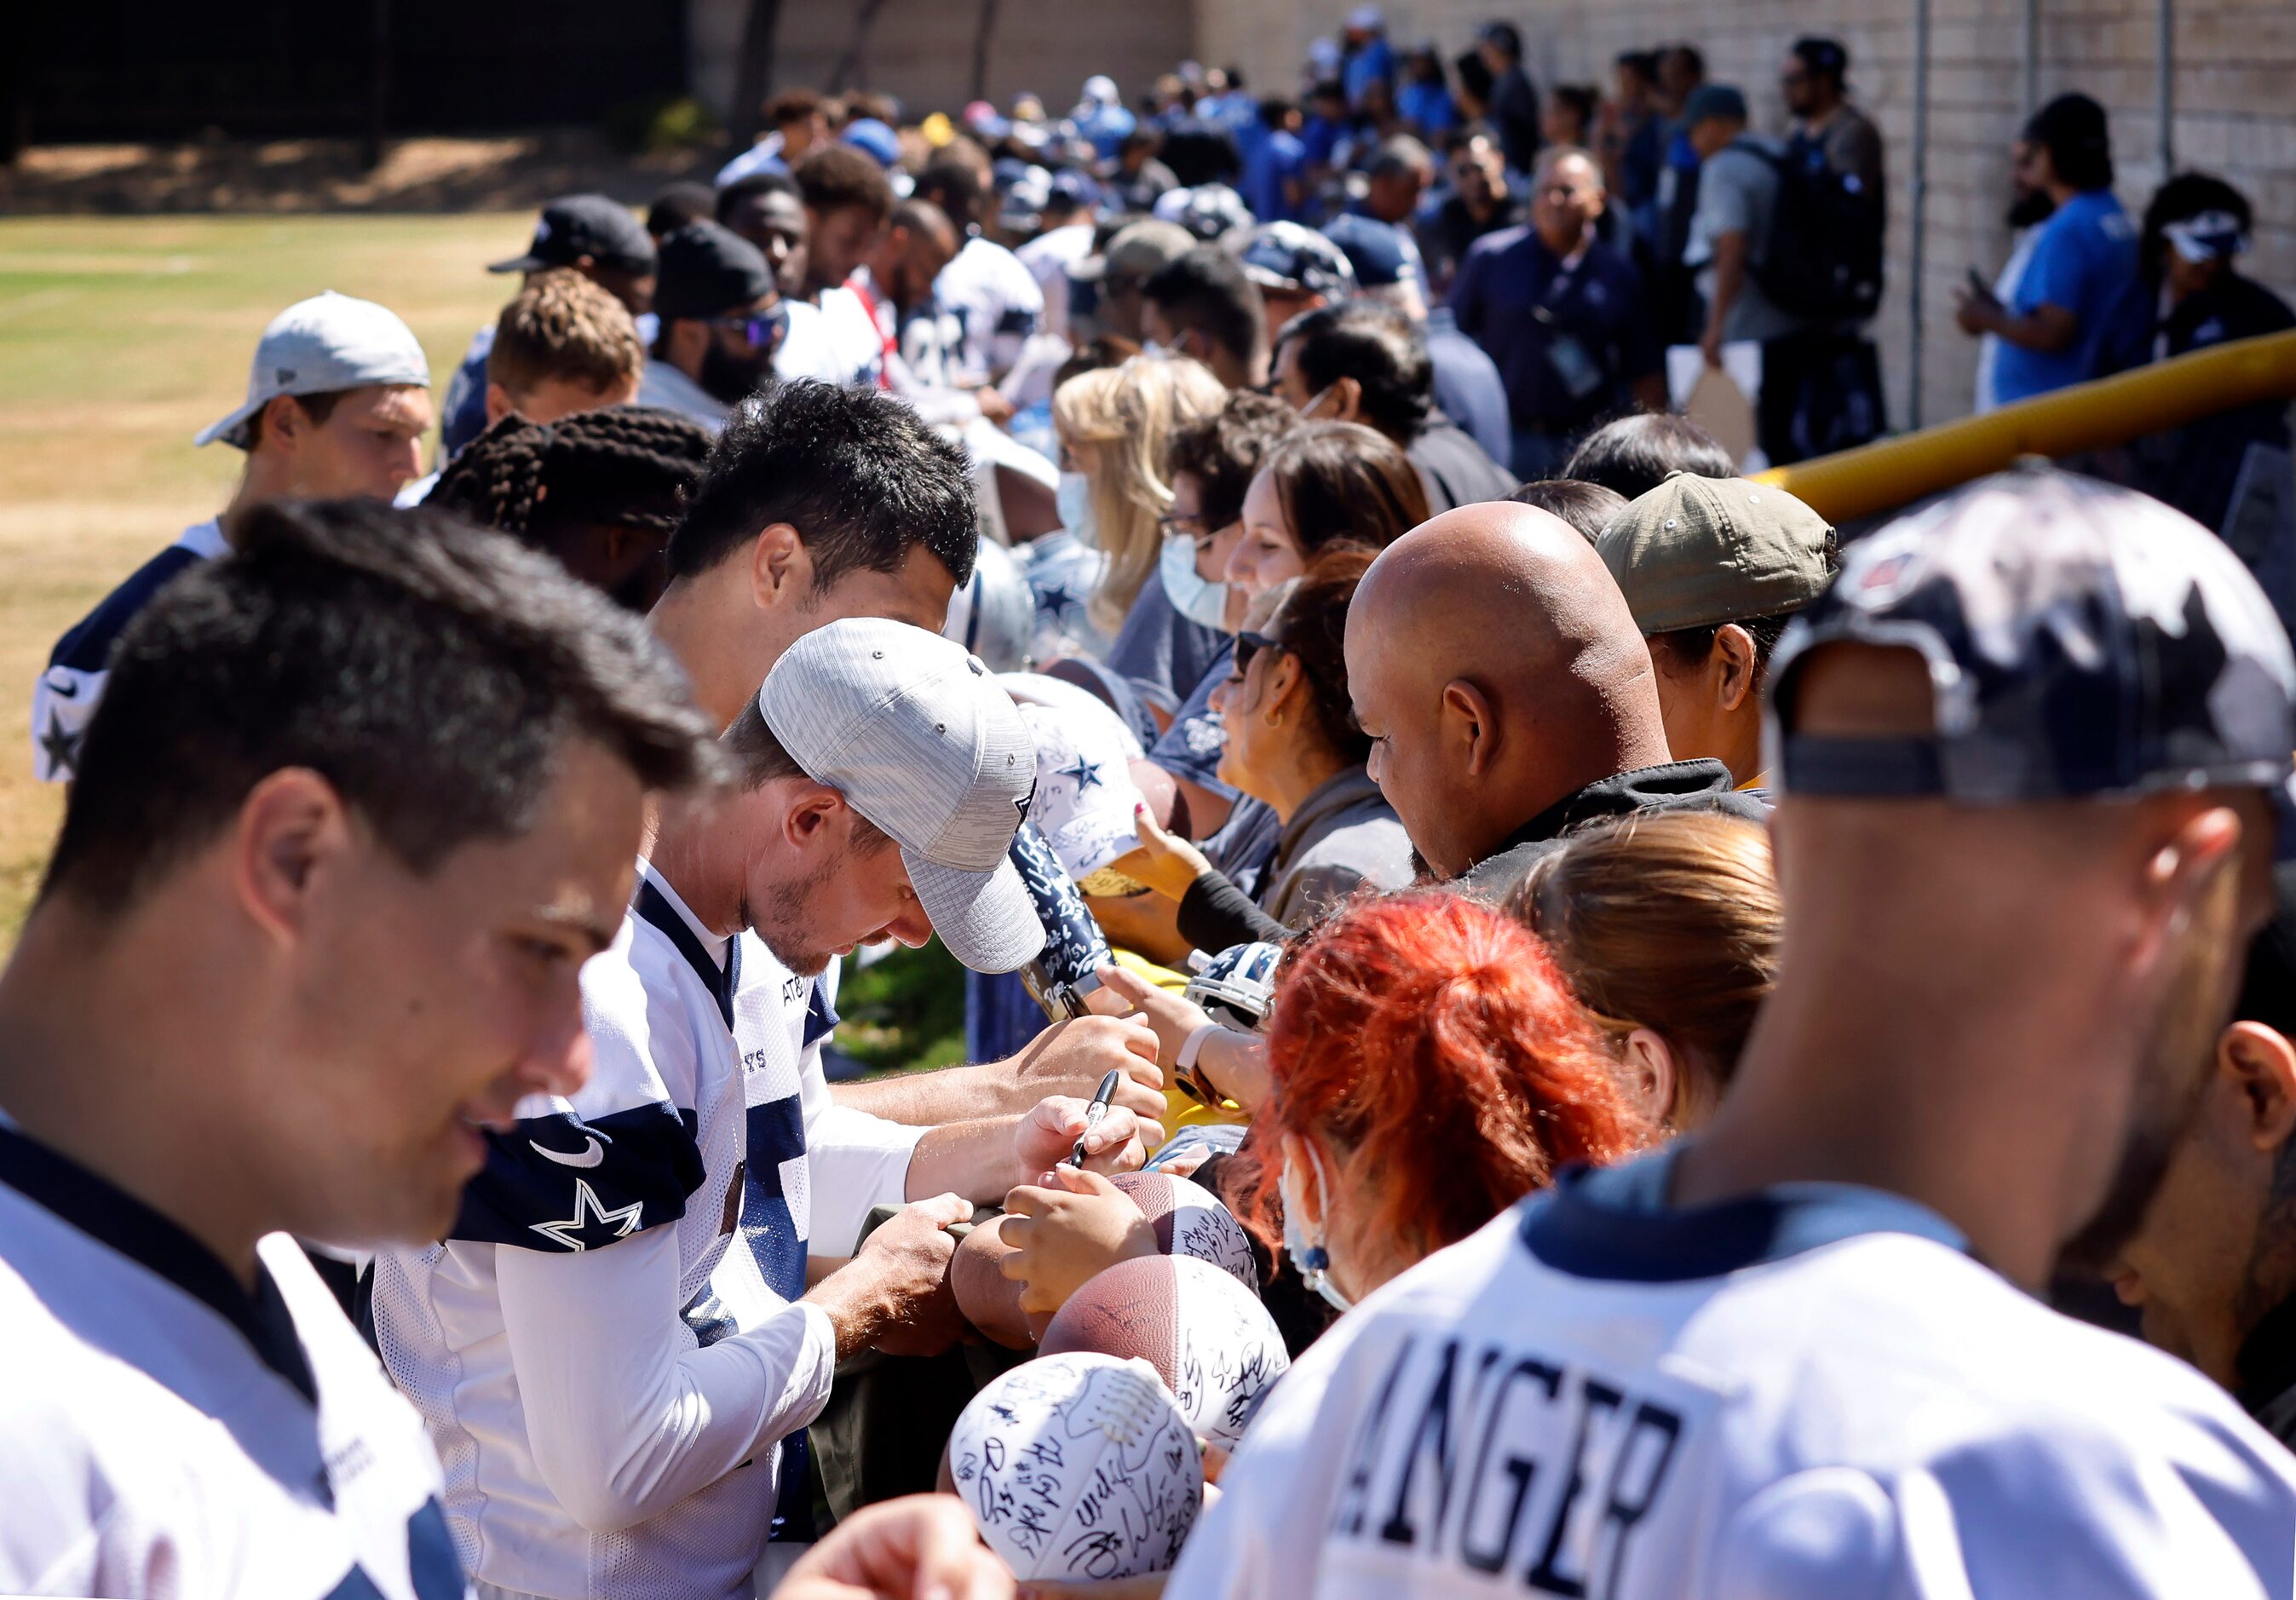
[119,339]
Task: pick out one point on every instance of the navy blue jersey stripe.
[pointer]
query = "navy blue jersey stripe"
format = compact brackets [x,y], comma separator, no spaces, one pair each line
[1614,1224]
[87,646]
[562,1182]
[654,907]
[112,1216]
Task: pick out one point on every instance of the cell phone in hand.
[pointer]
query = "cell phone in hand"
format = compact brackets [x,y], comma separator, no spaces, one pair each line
[1982,289]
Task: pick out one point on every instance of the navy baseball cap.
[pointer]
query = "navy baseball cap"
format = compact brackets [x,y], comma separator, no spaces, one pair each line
[2084,642]
[1284,255]
[575,226]
[1374,250]
[1070,189]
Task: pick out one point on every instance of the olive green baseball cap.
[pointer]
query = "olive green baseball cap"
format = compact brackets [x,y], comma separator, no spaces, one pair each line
[1695,552]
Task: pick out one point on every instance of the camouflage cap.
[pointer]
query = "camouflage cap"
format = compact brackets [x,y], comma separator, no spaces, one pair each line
[1697,550]
[2083,642]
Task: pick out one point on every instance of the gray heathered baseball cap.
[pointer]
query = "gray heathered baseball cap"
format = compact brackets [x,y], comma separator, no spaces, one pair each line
[319,346]
[923,742]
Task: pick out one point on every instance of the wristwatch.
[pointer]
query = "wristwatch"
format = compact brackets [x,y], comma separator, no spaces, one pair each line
[1184,1071]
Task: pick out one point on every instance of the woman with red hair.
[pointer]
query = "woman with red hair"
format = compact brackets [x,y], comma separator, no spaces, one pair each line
[1427,1068]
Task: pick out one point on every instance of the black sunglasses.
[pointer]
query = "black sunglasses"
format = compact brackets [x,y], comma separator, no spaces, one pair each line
[1248,645]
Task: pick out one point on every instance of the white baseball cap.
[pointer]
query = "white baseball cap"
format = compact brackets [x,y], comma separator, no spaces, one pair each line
[920,740]
[1085,798]
[326,343]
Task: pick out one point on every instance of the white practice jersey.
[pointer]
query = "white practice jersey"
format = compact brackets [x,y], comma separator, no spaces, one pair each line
[652,1463]
[996,304]
[165,1433]
[65,694]
[1810,1392]
[1048,257]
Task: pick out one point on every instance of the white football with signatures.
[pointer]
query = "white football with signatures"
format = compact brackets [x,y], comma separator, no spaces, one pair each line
[1190,1221]
[1206,1335]
[1078,1467]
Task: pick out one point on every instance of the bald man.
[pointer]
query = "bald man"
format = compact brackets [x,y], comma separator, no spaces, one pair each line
[1508,694]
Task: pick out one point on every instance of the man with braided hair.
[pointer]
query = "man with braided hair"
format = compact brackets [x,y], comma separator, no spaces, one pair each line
[599,491]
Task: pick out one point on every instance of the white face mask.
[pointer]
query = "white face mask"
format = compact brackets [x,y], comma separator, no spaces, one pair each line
[1074,502]
[1309,1256]
[1194,595]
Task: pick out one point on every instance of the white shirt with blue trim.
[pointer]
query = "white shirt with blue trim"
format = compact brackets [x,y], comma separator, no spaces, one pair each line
[1811,1391]
[997,304]
[166,1432]
[608,1349]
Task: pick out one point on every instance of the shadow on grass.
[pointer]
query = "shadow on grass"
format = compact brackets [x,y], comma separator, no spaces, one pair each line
[438,174]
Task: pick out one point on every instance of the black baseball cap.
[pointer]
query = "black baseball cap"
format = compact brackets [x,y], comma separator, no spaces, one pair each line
[708,270]
[575,226]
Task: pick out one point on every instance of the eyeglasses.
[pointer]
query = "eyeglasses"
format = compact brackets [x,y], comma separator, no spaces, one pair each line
[1248,645]
[762,329]
[1194,528]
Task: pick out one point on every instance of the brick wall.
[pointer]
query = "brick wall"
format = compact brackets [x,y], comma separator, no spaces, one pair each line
[2233,113]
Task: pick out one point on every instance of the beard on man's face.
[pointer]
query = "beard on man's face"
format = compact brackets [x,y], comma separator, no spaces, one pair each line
[2174,1076]
[730,378]
[2030,205]
[786,923]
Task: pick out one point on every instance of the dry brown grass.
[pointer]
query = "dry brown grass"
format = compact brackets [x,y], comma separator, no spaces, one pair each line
[120,338]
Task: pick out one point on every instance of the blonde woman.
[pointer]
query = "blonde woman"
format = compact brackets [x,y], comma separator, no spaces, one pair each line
[1113,426]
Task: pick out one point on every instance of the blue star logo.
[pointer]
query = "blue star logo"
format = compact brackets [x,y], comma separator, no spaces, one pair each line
[1056,599]
[567,1234]
[1083,773]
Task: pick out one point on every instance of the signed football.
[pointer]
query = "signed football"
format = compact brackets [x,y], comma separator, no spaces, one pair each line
[1078,1467]
[1205,1334]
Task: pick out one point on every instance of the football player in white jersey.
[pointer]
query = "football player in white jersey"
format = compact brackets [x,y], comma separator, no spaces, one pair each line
[338,401]
[2026,744]
[359,802]
[616,1347]
[822,503]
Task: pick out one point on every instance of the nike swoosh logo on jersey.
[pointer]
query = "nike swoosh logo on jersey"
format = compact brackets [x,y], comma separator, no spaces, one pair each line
[592,1153]
[67,689]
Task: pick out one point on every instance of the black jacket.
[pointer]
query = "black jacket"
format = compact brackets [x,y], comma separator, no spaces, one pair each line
[1700,785]
[2267,1373]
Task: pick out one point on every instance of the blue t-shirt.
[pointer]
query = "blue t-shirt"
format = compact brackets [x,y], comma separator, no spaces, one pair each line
[1374,61]
[463,413]
[2084,261]
[1319,138]
[1191,747]
[1279,159]
[1429,106]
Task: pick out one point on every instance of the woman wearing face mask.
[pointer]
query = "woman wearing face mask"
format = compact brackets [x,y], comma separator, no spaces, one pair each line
[1329,483]
[1210,464]
[1292,744]
[1113,427]
[1427,1068]
[1666,925]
